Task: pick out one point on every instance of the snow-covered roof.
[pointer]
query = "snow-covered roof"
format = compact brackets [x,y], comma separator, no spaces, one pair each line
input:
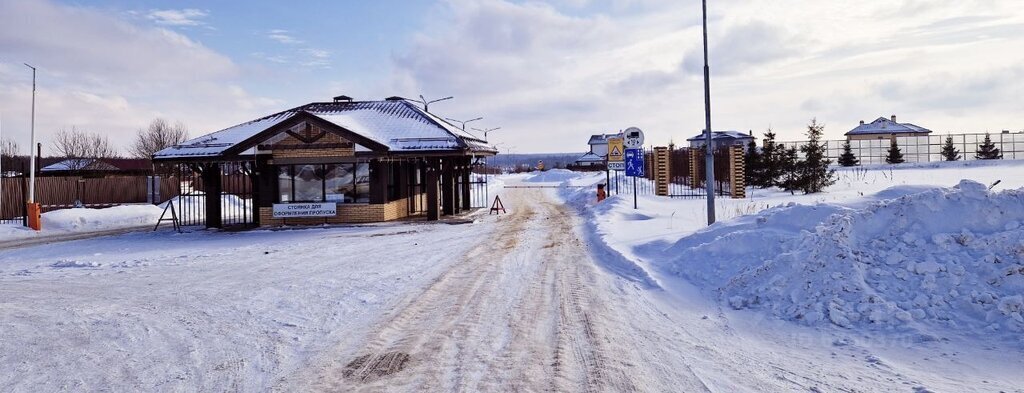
[719,135]
[74,164]
[601,139]
[397,125]
[883,125]
[590,157]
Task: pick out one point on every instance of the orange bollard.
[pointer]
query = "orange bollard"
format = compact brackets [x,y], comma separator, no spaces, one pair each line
[35,216]
[601,194]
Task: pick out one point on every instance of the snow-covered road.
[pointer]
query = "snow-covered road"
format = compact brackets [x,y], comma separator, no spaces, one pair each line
[529,301]
[521,311]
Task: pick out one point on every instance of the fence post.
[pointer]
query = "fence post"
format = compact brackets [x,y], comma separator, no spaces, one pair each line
[660,168]
[695,178]
[737,172]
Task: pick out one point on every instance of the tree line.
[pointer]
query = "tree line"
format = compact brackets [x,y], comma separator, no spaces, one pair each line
[79,147]
[775,165]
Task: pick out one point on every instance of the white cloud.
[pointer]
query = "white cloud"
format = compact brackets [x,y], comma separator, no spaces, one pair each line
[182,17]
[555,76]
[283,36]
[99,72]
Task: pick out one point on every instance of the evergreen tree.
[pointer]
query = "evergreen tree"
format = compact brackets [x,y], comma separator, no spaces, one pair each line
[895,156]
[768,172]
[814,173]
[848,158]
[789,167]
[752,160]
[987,150]
[950,152]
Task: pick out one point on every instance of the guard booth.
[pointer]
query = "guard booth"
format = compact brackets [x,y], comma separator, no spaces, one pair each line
[329,163]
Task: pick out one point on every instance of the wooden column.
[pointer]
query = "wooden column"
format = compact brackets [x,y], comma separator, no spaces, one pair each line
[447,187]
[378,182]
[264,186]
[212,188]
[467,174]
[430,182]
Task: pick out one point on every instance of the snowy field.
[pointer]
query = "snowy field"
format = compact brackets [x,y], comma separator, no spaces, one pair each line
[894,280]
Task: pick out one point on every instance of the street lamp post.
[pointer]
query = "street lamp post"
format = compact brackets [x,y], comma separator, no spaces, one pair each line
[463,123]
[32,133]
[486,131]
[426,103]
[709,155]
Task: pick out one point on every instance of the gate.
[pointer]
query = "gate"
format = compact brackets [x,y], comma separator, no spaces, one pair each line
[231,182]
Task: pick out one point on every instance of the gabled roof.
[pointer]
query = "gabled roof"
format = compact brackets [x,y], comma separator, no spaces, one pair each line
[886,126]
[100,164]
[601,139]
[387,126]
[590,157]
[720,135]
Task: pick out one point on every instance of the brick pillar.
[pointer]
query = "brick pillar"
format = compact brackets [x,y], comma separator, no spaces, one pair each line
[696,175]
[430,182]
[737,172]
[659,169]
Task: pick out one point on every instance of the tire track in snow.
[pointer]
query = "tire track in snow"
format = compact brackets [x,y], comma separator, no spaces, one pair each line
[515,314]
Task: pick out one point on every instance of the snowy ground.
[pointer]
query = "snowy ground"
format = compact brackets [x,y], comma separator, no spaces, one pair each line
[559,295]
[82,220]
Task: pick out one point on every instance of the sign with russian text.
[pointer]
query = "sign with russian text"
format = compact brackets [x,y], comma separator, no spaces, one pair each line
[293,210]
[635,162]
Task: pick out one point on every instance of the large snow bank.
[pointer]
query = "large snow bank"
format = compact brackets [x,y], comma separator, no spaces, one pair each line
[950,257]
[101,219]
[552,176]
[85,220]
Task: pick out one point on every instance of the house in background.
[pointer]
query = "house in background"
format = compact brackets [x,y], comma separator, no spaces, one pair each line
[96,166]
[883,128]
[598,150]
[721,139]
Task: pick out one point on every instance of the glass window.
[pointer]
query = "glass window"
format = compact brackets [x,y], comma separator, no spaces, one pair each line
[309,183]
[339,182]
[362,194]
[284,183]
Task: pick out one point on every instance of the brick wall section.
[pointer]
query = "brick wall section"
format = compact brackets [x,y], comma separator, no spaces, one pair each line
[737,172]
[351,213]
[660,170]
[281,149]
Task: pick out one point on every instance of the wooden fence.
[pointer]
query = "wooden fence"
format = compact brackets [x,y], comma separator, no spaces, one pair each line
[59,192]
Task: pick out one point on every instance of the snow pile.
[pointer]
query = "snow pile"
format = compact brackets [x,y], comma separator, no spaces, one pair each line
[945,257]
[552,176]
[82,220]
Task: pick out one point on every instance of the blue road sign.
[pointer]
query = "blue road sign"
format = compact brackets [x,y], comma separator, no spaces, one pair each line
[634,162]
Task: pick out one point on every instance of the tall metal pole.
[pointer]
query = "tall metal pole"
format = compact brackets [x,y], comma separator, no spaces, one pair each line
[709,155]
[31,154]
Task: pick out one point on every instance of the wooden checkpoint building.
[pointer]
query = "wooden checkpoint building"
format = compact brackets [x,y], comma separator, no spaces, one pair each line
[344,161]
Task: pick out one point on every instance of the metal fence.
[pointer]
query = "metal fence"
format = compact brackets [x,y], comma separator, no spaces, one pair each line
[922,148]
[682,182]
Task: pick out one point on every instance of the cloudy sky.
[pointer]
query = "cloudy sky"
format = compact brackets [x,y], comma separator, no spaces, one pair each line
[548,73]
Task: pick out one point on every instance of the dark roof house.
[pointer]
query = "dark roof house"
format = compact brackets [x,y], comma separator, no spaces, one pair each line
[883,127]
[335,162]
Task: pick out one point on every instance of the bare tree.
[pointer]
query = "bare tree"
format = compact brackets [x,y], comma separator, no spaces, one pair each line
[8,155]
[79,147]
[160,135]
